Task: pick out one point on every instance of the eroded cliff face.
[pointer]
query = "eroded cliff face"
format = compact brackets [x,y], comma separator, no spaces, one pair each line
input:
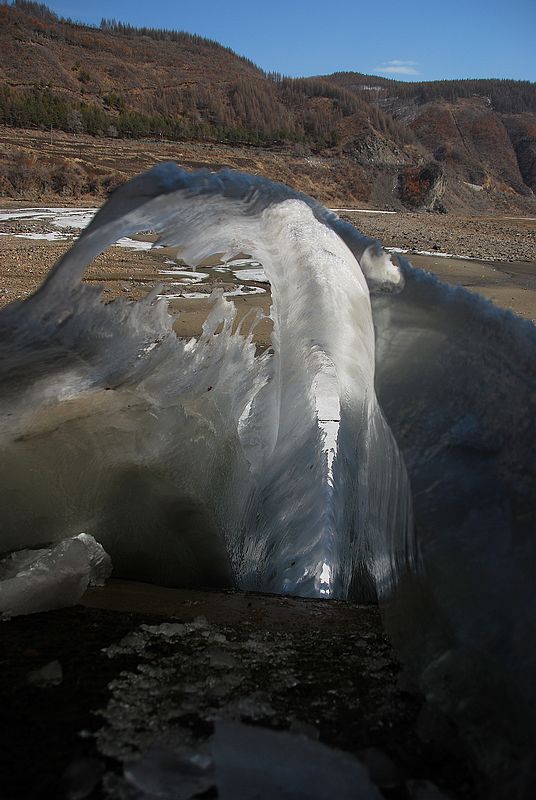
[423,187]
[522,131]
[483,134]
[472,139]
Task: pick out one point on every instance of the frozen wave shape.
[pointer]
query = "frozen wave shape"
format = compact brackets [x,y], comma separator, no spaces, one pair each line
[201,463]
[198,462]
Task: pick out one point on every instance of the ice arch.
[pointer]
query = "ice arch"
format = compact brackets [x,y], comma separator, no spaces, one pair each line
[205,464]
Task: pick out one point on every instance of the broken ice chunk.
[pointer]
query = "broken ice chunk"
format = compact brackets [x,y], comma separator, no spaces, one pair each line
[49,675]
[170,775]
[53,577]
[252,763]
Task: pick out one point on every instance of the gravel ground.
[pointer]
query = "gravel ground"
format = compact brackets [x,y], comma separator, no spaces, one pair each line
[486,238]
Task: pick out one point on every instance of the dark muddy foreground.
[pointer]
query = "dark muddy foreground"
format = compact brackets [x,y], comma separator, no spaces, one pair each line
[143,667]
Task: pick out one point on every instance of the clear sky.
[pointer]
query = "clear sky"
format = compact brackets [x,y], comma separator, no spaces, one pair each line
[403,39]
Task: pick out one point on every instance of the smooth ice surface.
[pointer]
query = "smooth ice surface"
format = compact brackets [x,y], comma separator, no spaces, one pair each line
[456,378]
[53,577]
[252,275]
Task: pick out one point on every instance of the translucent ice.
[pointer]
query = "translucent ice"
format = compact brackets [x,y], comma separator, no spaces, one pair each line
[39,580]
[198,462]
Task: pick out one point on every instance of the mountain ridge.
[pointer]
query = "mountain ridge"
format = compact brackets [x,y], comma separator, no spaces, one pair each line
[434,145]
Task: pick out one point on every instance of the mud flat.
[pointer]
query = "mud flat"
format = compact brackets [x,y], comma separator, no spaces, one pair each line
[509,284]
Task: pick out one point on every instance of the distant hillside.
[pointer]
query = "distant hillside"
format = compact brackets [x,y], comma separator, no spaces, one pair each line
[505,96]
[132,82]
[449,144]
[484,131]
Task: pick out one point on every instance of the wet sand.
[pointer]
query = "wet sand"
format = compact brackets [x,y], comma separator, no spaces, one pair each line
[508,284]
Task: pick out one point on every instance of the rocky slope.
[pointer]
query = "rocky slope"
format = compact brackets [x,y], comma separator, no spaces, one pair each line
[481,136]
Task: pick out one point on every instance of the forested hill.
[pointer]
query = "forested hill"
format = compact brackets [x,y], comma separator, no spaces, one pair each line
[136,82]
[504,96]
[415,143]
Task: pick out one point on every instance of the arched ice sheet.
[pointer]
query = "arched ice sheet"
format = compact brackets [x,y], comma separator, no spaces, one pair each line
[197,463]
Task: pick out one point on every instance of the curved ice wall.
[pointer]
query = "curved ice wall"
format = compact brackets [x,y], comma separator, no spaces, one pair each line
[201,463]
[197,462]
[456,378]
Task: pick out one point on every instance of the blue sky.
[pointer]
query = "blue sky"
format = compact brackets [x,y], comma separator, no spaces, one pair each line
[405,40]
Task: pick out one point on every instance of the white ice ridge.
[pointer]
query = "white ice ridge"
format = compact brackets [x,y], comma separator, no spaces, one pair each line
[200,462]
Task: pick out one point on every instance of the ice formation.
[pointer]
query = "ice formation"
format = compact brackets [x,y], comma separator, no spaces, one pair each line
[52,577]
[200,462]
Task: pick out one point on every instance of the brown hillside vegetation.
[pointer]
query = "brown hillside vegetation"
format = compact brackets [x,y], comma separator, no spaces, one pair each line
[347,138]
[80,167]
[482,131]
[131,82]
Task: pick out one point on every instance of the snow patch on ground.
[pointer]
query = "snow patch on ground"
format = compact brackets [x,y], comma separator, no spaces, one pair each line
[64,219]
[133,244]
[53,236]
[240,291]
[189,275]
[404,251]
[362,210]
[252,275]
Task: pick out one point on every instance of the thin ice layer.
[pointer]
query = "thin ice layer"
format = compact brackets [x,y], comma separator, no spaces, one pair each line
[456,378]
